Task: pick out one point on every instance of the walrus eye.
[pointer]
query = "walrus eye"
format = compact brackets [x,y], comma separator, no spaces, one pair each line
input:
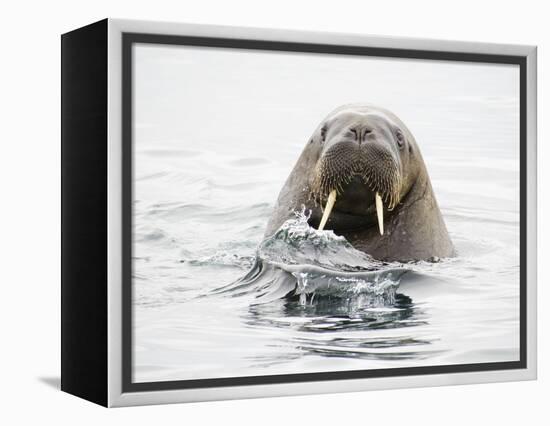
[400,138]
[323,133]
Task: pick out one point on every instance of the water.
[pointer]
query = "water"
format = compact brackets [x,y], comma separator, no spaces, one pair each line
[212,298]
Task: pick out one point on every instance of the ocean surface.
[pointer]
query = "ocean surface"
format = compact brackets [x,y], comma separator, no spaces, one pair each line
[216,134]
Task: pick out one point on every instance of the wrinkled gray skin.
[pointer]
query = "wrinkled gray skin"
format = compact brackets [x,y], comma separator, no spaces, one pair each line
[414,228]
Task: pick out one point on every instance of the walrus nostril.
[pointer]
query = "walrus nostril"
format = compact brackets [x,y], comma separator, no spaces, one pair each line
[360,134]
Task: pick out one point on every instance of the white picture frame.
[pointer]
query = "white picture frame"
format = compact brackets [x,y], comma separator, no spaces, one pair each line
[99,368]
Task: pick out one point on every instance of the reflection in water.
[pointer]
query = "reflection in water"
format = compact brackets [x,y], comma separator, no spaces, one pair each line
[326,314]
[322,322]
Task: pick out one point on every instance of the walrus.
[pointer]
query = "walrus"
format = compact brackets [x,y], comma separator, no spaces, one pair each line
[362,176]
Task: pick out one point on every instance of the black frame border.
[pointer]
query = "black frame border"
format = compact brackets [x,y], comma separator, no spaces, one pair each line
[84,234]
[129,39]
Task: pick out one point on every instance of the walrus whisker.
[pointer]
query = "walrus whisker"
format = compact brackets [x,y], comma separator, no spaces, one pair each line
[383,180]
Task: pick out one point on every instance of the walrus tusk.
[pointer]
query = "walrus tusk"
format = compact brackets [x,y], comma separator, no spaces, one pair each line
[379,213]
[328,208]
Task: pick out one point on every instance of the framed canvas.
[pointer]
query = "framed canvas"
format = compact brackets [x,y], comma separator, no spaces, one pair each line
[251,212]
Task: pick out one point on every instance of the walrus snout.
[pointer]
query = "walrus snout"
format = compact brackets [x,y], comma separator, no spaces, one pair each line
[345,162]
[362,175]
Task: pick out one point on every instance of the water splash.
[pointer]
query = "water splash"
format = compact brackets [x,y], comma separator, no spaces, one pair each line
[295,242]
[373,290]
[301,262]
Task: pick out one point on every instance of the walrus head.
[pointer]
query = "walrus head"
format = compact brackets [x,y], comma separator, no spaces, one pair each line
[362,176]
[363,170]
